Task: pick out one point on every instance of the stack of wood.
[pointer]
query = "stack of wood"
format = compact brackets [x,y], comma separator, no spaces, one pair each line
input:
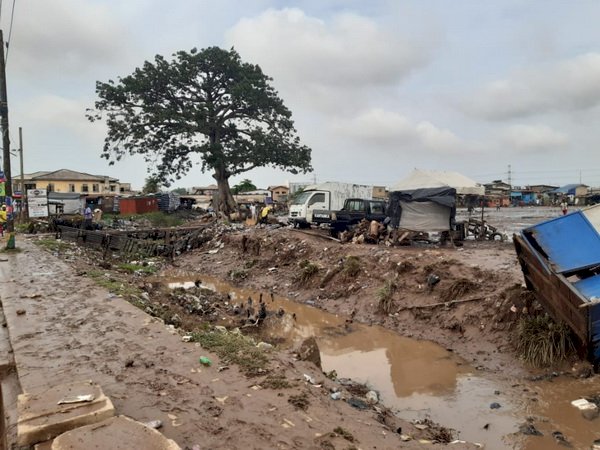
[375,233]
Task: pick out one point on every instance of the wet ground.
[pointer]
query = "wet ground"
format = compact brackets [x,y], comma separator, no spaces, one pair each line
[419,379]
[416,377]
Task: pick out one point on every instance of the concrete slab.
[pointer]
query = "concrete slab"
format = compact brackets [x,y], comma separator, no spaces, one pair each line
[7,360]
[116,433]
[45,415]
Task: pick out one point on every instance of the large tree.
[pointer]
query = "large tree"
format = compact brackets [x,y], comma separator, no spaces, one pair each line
[206,107]
[244,186]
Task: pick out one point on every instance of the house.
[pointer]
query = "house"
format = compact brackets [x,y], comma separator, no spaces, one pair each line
[541,188]
[497,188]
[68,181]
[209,190]
[573,193]
[97,190]
[279,193]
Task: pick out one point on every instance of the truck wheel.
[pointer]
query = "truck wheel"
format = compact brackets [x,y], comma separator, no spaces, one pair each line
[334,233]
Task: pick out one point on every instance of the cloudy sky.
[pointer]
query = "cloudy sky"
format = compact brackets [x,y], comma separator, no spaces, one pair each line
[376,88]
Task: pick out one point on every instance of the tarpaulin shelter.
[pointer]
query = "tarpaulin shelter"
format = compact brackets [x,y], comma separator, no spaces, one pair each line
[560,259]
[419,179]
[427,209]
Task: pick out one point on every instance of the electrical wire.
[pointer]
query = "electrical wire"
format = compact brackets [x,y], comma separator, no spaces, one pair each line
[12,15]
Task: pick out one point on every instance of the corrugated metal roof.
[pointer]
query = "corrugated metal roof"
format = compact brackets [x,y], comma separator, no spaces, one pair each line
[571,242]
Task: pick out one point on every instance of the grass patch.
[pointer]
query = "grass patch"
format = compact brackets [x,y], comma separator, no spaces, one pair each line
[52,245]
[234,349]
[276,382]
[385,295]
[351,266]
[238,274]
[541,342]
[113,285]
[307,271]
[157,219]
[300,401]
[140,268]
[339,431]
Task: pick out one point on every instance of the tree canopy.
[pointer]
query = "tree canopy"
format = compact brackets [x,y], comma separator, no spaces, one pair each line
[203,107]
[244,186]
[151,185]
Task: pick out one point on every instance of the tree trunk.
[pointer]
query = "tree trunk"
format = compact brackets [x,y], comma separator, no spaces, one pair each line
[225,203]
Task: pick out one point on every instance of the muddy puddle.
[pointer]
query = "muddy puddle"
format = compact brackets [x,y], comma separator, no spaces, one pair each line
[420,379]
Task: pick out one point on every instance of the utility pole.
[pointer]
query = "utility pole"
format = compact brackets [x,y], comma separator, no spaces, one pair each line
[24,213]
[509,184]
[10,224]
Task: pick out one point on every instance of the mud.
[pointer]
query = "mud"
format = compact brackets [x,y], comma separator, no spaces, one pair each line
[454,379]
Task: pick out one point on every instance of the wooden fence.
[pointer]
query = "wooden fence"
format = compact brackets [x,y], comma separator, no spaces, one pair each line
[167,242]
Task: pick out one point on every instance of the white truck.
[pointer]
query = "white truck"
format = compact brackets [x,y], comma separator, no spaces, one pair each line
[315,203]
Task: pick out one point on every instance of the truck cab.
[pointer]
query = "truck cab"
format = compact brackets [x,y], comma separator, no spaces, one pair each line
[305,204]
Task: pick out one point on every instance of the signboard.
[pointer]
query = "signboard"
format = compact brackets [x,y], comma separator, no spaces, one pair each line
[37,201]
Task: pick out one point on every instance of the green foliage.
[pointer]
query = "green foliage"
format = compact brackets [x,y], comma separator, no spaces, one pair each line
[157,219]
[307,271]
[151,185]
[52,245]
[351,266]
[541,342]
[139,268]
[385,294]
[206,105]
[244,186]
[180,191]
[234,348]
[110,283]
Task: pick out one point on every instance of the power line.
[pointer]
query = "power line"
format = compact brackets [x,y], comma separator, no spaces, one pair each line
[12,15]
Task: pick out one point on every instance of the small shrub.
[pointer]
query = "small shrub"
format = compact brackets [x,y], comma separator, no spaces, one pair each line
[541,342]
[385,294]
[344,434]
[300,401]
[307,271]
[351,266]
[238,274]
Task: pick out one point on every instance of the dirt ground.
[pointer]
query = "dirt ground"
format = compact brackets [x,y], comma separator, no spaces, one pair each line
[467,299]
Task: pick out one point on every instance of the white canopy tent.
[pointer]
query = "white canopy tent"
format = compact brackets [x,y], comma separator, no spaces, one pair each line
[423,179]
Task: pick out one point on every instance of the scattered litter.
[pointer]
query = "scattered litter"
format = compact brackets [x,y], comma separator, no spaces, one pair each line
[156,424]
[310,379]
[495,405]
[357,403]
[272,269]
[186,338]
[172,416]
[529,430]
[336,395]
[222,368]
[205,361]
[372,397]
[20,312]
[220,329]
[588,409]
[405,438]
[76,399]
[421,426]
[221,399]
[214,251]
[264,346]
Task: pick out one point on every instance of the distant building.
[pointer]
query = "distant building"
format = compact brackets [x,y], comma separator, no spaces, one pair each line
[541,188]
[295,186]
[69,181]
[380,192]
[497,188]
[279,193]
[209,190]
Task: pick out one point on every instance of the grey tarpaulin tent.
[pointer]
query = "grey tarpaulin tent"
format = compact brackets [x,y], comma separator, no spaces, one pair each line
[427,209]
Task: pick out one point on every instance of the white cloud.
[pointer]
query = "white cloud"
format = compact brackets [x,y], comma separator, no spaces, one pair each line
[533,137]
[330,61]
[569,85]
[63,38]
[391,130]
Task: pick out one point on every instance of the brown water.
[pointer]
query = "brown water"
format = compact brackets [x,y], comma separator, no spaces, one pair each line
[420,379]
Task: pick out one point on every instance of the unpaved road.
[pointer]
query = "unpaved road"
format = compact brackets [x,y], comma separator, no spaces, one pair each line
[63,328]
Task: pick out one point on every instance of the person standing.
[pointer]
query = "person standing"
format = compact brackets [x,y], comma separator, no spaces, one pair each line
[563,207]
[87,217]
[2,219]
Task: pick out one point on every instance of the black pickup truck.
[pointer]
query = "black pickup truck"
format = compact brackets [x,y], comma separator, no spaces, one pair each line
[355,210]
